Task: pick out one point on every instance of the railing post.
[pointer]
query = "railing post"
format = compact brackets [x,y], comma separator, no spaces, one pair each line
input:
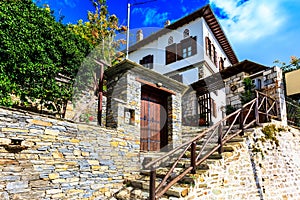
[267,114]
[220,138]
[193,157]
[152,183]
[256,110]
[277,111]
[242,121]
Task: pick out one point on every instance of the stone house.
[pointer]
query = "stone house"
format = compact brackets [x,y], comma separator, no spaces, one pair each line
[192,48]
[195,51]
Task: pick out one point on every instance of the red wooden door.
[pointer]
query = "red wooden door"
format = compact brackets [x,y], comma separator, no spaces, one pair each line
[153,121]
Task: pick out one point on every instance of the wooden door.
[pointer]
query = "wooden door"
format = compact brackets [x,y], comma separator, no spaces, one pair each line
[153,121]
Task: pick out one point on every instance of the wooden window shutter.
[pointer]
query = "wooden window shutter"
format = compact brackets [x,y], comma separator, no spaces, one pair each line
[216,59]
[221,64]
[194,45]
[170,53]
[214,108]
[206,45]
[179,51]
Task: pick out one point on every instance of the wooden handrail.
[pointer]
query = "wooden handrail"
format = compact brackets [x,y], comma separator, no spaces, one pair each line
[164,185]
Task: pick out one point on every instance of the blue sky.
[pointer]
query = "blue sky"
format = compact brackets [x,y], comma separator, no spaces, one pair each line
[258,30]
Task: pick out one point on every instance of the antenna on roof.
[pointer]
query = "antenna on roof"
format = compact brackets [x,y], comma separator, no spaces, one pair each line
[128,21]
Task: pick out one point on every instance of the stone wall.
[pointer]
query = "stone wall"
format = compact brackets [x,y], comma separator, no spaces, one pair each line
[245,173]
[233,88]
[270,83]
[60,159]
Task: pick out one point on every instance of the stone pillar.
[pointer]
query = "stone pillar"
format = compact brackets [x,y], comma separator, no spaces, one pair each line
[275,88]
[174,122]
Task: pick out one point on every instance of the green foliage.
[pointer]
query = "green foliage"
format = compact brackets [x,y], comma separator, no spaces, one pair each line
[249,93]
[34,50]
[229,109]
[99,31]
[269,135]
[293,64]
[270,132]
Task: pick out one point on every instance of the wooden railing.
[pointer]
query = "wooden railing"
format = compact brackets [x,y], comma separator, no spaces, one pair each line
[254,112]
[293,113]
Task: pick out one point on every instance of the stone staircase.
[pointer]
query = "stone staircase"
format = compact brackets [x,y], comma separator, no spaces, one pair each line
[137,187]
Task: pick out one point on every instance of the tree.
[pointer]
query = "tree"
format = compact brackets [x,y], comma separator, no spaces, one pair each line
[293,64]
[35,50]
[99,31]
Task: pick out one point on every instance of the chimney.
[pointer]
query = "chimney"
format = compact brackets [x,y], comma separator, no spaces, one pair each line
[139,35]
[167,23]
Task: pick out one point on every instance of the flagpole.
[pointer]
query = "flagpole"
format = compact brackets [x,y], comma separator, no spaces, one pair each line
[127,36]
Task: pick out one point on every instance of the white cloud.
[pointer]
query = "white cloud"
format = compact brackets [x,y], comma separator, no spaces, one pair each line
[151,16]
[252,20]
[71,3]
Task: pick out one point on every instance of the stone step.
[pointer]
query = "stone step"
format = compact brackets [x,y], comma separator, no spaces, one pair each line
[177,190]
[236,139]
[129,193]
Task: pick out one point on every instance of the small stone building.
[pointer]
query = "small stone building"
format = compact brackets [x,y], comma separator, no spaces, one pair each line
[198,101]
[144,104]
[266,80]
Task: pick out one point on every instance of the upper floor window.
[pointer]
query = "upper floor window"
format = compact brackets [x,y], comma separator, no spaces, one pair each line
[147,61]
[186,33]
[170,40]
[211,51]
[221,64]
[208,46]
[171,53]
[186,48]
[189,47]
[214,55]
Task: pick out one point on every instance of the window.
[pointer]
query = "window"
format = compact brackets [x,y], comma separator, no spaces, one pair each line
[208,47]
[211,51]
[170,40]
[221,64]
[170,53]
[189,47]
[214,55]
[147,61]
[186,33]
[186,48]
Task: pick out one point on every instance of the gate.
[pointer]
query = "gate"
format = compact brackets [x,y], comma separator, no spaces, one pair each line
[204,109]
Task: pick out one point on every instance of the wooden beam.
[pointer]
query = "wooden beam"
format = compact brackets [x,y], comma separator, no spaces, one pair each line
[155,86]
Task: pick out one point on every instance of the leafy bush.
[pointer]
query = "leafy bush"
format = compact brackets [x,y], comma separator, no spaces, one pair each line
[249,93]
[229,109]
[34,50]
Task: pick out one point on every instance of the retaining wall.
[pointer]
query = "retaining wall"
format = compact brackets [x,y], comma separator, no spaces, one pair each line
[246,173]
[60,159]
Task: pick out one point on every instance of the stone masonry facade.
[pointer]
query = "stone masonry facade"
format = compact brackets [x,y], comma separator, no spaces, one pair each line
[248,174]
[47,158]
[271,83]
